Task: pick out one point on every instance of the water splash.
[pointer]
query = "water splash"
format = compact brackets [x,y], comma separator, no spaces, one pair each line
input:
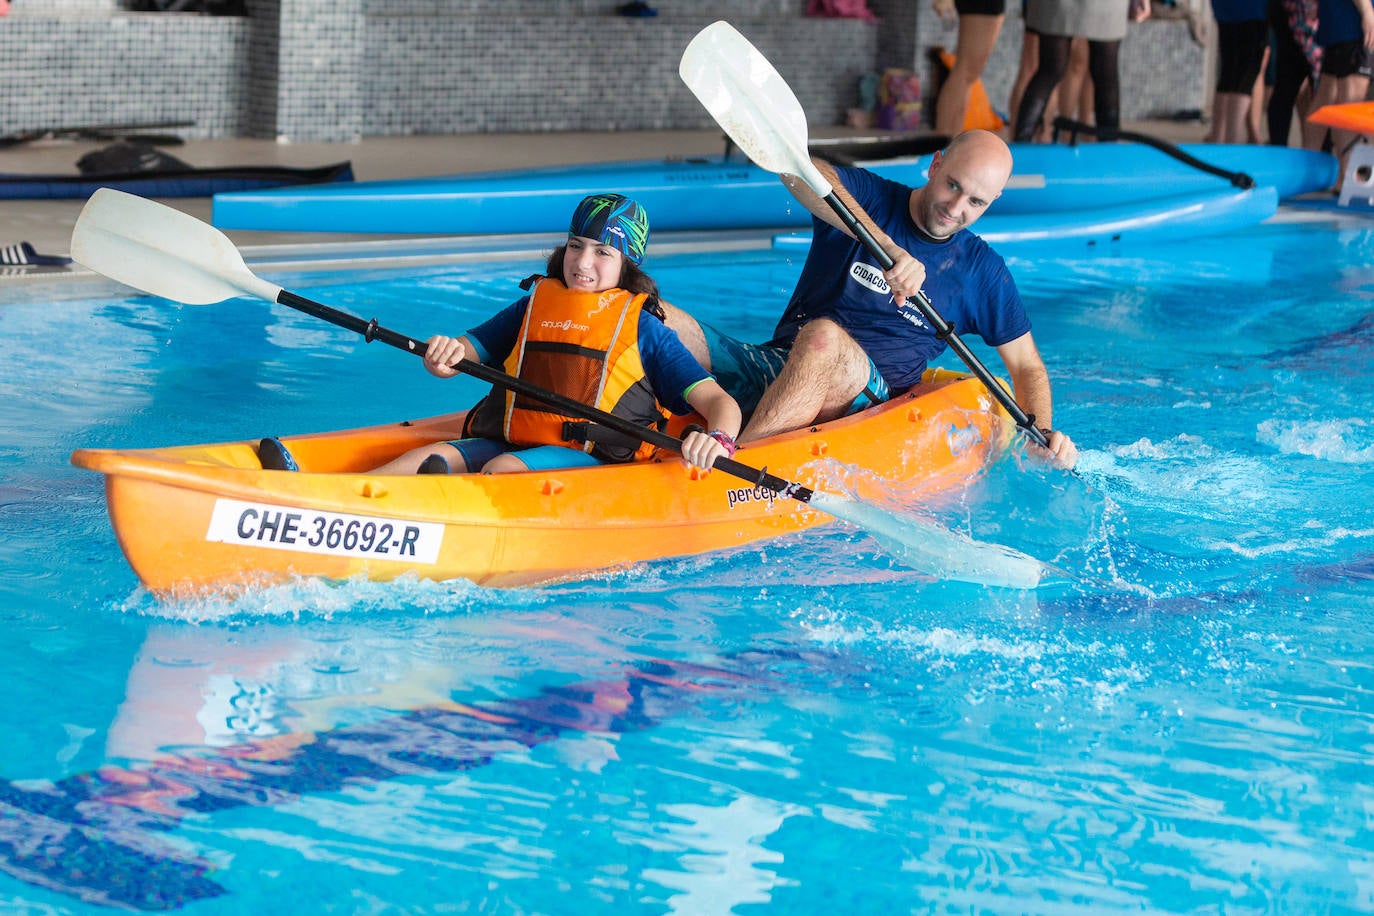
[309,598]
[936,550]
[1346,441]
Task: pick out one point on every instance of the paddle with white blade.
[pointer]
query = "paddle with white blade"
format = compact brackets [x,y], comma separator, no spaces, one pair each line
[171,254]
[754,105]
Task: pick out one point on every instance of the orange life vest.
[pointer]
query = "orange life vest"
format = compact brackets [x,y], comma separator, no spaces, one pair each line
[584,346]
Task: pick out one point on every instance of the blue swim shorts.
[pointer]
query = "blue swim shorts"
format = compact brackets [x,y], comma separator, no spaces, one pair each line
[745,370]
[477,452]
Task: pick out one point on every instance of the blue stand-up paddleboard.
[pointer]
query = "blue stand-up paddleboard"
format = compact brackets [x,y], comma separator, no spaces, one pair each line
[1090,183]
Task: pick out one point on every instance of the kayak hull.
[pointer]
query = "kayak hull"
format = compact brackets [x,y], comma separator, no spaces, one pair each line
[201,518]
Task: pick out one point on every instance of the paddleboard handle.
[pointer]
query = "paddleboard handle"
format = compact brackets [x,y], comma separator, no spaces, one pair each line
[1238,179]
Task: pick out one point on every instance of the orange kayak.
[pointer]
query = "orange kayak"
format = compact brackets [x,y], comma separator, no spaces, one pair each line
[1357,117]
[207,517]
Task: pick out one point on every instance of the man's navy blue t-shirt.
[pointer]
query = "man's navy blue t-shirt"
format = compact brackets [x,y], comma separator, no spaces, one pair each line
[966,281]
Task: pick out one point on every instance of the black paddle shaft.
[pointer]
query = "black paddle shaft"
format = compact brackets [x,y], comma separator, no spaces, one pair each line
[371,330]
[943,329]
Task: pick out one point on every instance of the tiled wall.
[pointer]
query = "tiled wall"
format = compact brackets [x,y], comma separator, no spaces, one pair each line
[340,69]
[83,63]
[528,73]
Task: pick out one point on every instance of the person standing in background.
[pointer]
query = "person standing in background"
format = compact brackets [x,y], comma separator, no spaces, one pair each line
[1242,38]
[980,22]
[1075,88]
[1030,59]
[1297,63]
[1345,31]
[1057,22]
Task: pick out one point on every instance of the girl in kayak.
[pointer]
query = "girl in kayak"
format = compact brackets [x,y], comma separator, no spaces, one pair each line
[591,329]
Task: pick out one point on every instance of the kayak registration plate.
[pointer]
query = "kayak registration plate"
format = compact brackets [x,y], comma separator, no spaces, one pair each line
[314,531]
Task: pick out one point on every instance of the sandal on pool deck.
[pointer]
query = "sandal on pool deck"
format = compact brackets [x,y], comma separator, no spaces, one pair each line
[23,253]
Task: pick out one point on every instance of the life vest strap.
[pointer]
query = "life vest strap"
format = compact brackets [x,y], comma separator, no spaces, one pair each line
[587,431]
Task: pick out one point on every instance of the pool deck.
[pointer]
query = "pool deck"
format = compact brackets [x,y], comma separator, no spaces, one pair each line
[47,224]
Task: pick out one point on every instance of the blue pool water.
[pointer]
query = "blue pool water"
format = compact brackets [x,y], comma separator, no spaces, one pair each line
[797,726]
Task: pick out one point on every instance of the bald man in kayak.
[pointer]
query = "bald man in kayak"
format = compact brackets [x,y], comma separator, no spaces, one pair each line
[848,339]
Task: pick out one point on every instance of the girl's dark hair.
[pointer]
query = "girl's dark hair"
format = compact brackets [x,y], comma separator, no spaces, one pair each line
[632,278]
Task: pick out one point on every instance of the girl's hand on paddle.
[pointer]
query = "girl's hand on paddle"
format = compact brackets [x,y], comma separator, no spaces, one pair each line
[702,448]
[442,354]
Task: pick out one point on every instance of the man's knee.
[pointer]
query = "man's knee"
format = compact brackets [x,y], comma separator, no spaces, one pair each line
[822,336]
[688,331]
[837,365]
[822,340]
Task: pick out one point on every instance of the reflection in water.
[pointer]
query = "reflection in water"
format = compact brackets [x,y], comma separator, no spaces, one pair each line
[724,858]
[105,825]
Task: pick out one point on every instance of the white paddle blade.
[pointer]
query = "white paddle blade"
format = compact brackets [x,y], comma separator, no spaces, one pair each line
[937,551]
[750,101]
[162,251]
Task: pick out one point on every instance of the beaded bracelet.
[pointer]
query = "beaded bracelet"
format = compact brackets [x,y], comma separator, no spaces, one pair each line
[726,440]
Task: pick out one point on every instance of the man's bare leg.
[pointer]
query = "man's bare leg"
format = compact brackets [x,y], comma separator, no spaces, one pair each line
[688,331]
[825,372]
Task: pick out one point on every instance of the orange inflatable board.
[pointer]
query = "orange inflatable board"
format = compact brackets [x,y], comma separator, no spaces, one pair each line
[1357,117]
[979,114]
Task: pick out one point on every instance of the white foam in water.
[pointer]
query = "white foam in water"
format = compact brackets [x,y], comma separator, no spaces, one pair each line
[326,599]
[1180,446]
[1317,537]
[936,550]
[1343,441]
